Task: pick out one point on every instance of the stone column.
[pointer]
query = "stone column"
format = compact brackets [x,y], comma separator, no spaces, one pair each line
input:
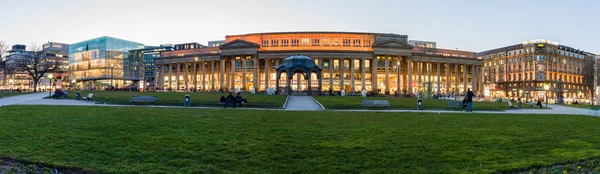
[363,65]
[473,79]
[448,78]
[410,76]
[439,79]
[387,74]
[429,69]
[481,78]
[309,85]
[465,79]
[232,59]
[178,73]
[222,73]
[212,76]
[244,68]
[374,74]
[399,74]
[456,79]
[420,73]
[267,72]
[186,74]
[161,77]
[352,75]
[255,78]
[342,72]
[202,71]
[331,74]
[195,74]
[170,75]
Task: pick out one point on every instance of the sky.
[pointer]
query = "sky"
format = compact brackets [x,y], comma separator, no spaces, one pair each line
[472,25]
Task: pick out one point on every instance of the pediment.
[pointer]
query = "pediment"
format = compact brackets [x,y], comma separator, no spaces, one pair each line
[239,44]
[393,43]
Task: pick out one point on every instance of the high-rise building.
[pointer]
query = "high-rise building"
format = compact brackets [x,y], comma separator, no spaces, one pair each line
[60,53]
[147,55]
[533,68]
[104,62]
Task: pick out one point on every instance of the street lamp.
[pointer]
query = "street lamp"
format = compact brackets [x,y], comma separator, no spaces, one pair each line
[50,80]
[73,81]
[546,87]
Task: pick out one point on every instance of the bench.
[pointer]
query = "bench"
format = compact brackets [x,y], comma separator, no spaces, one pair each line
[89,97]
[376,103]
[510,105]
[455,104]
[143,99]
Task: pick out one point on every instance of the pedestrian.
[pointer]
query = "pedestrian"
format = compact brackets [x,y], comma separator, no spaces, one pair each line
[229,99]
[469,97]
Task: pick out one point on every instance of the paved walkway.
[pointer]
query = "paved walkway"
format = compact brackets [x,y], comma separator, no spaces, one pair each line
[37,99]
[302,103]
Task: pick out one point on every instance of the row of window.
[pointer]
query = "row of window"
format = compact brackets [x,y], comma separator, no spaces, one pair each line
[317,42]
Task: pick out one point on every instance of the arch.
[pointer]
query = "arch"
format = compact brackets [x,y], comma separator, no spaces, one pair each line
[298,64]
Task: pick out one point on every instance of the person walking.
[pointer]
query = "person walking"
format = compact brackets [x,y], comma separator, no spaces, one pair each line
[229,99]
[469,97]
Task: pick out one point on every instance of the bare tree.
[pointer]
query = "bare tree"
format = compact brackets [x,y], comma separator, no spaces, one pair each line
[3,49]
[589,73]
[36,63]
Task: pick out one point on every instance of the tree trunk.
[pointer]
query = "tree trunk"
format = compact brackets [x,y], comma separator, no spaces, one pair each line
[35,84]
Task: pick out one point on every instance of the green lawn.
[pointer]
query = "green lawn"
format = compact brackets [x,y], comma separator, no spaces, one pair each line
[330,102]
[3,95]
[176,98]
[161,140]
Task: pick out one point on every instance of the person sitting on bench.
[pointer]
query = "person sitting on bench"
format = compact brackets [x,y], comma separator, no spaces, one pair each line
[229,99]
[222,100]
[239,100]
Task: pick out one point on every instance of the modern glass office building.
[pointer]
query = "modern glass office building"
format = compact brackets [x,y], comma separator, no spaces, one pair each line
[147,55]
[104,62]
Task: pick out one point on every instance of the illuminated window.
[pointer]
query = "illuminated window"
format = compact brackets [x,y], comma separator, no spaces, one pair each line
[336,64]
[305,41]
[274,43]
[356,42]
[346,42]
[325,42]
[336,42]
[315,42]
[284,42]
[294,42]
[367,43]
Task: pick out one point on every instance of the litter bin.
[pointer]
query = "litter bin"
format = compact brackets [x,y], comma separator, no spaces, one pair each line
[419,104]
[78,95]
[186,102]
[520,104]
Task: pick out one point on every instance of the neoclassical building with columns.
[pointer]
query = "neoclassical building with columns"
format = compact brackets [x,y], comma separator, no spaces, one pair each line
[349,61]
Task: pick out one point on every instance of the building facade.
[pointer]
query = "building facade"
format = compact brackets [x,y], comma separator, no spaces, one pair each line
[530,69]
[60,53]
[104,62]
[352,62]
[216,43]
[147,55]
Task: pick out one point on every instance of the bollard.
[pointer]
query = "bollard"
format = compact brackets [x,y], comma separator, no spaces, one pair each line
[419,104]
[78,95]
[186,102]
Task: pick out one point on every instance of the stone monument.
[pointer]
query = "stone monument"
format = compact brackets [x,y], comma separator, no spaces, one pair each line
[559,92]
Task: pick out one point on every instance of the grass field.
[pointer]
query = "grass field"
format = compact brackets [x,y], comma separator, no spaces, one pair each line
[160,140]
[176,98]
[330,102]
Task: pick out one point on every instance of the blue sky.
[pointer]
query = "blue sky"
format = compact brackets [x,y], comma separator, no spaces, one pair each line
[474,25]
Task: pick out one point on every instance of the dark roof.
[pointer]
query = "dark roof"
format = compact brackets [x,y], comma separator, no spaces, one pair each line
[298,60]
[503,49]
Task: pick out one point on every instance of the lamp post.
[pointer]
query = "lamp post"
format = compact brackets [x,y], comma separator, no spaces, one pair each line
[50,80]
[73,82]
[546,87]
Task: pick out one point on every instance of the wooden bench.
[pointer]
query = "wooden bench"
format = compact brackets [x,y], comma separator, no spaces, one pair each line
[143,99]
[376,103]
[90,97]
[455,104]
[510,105]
